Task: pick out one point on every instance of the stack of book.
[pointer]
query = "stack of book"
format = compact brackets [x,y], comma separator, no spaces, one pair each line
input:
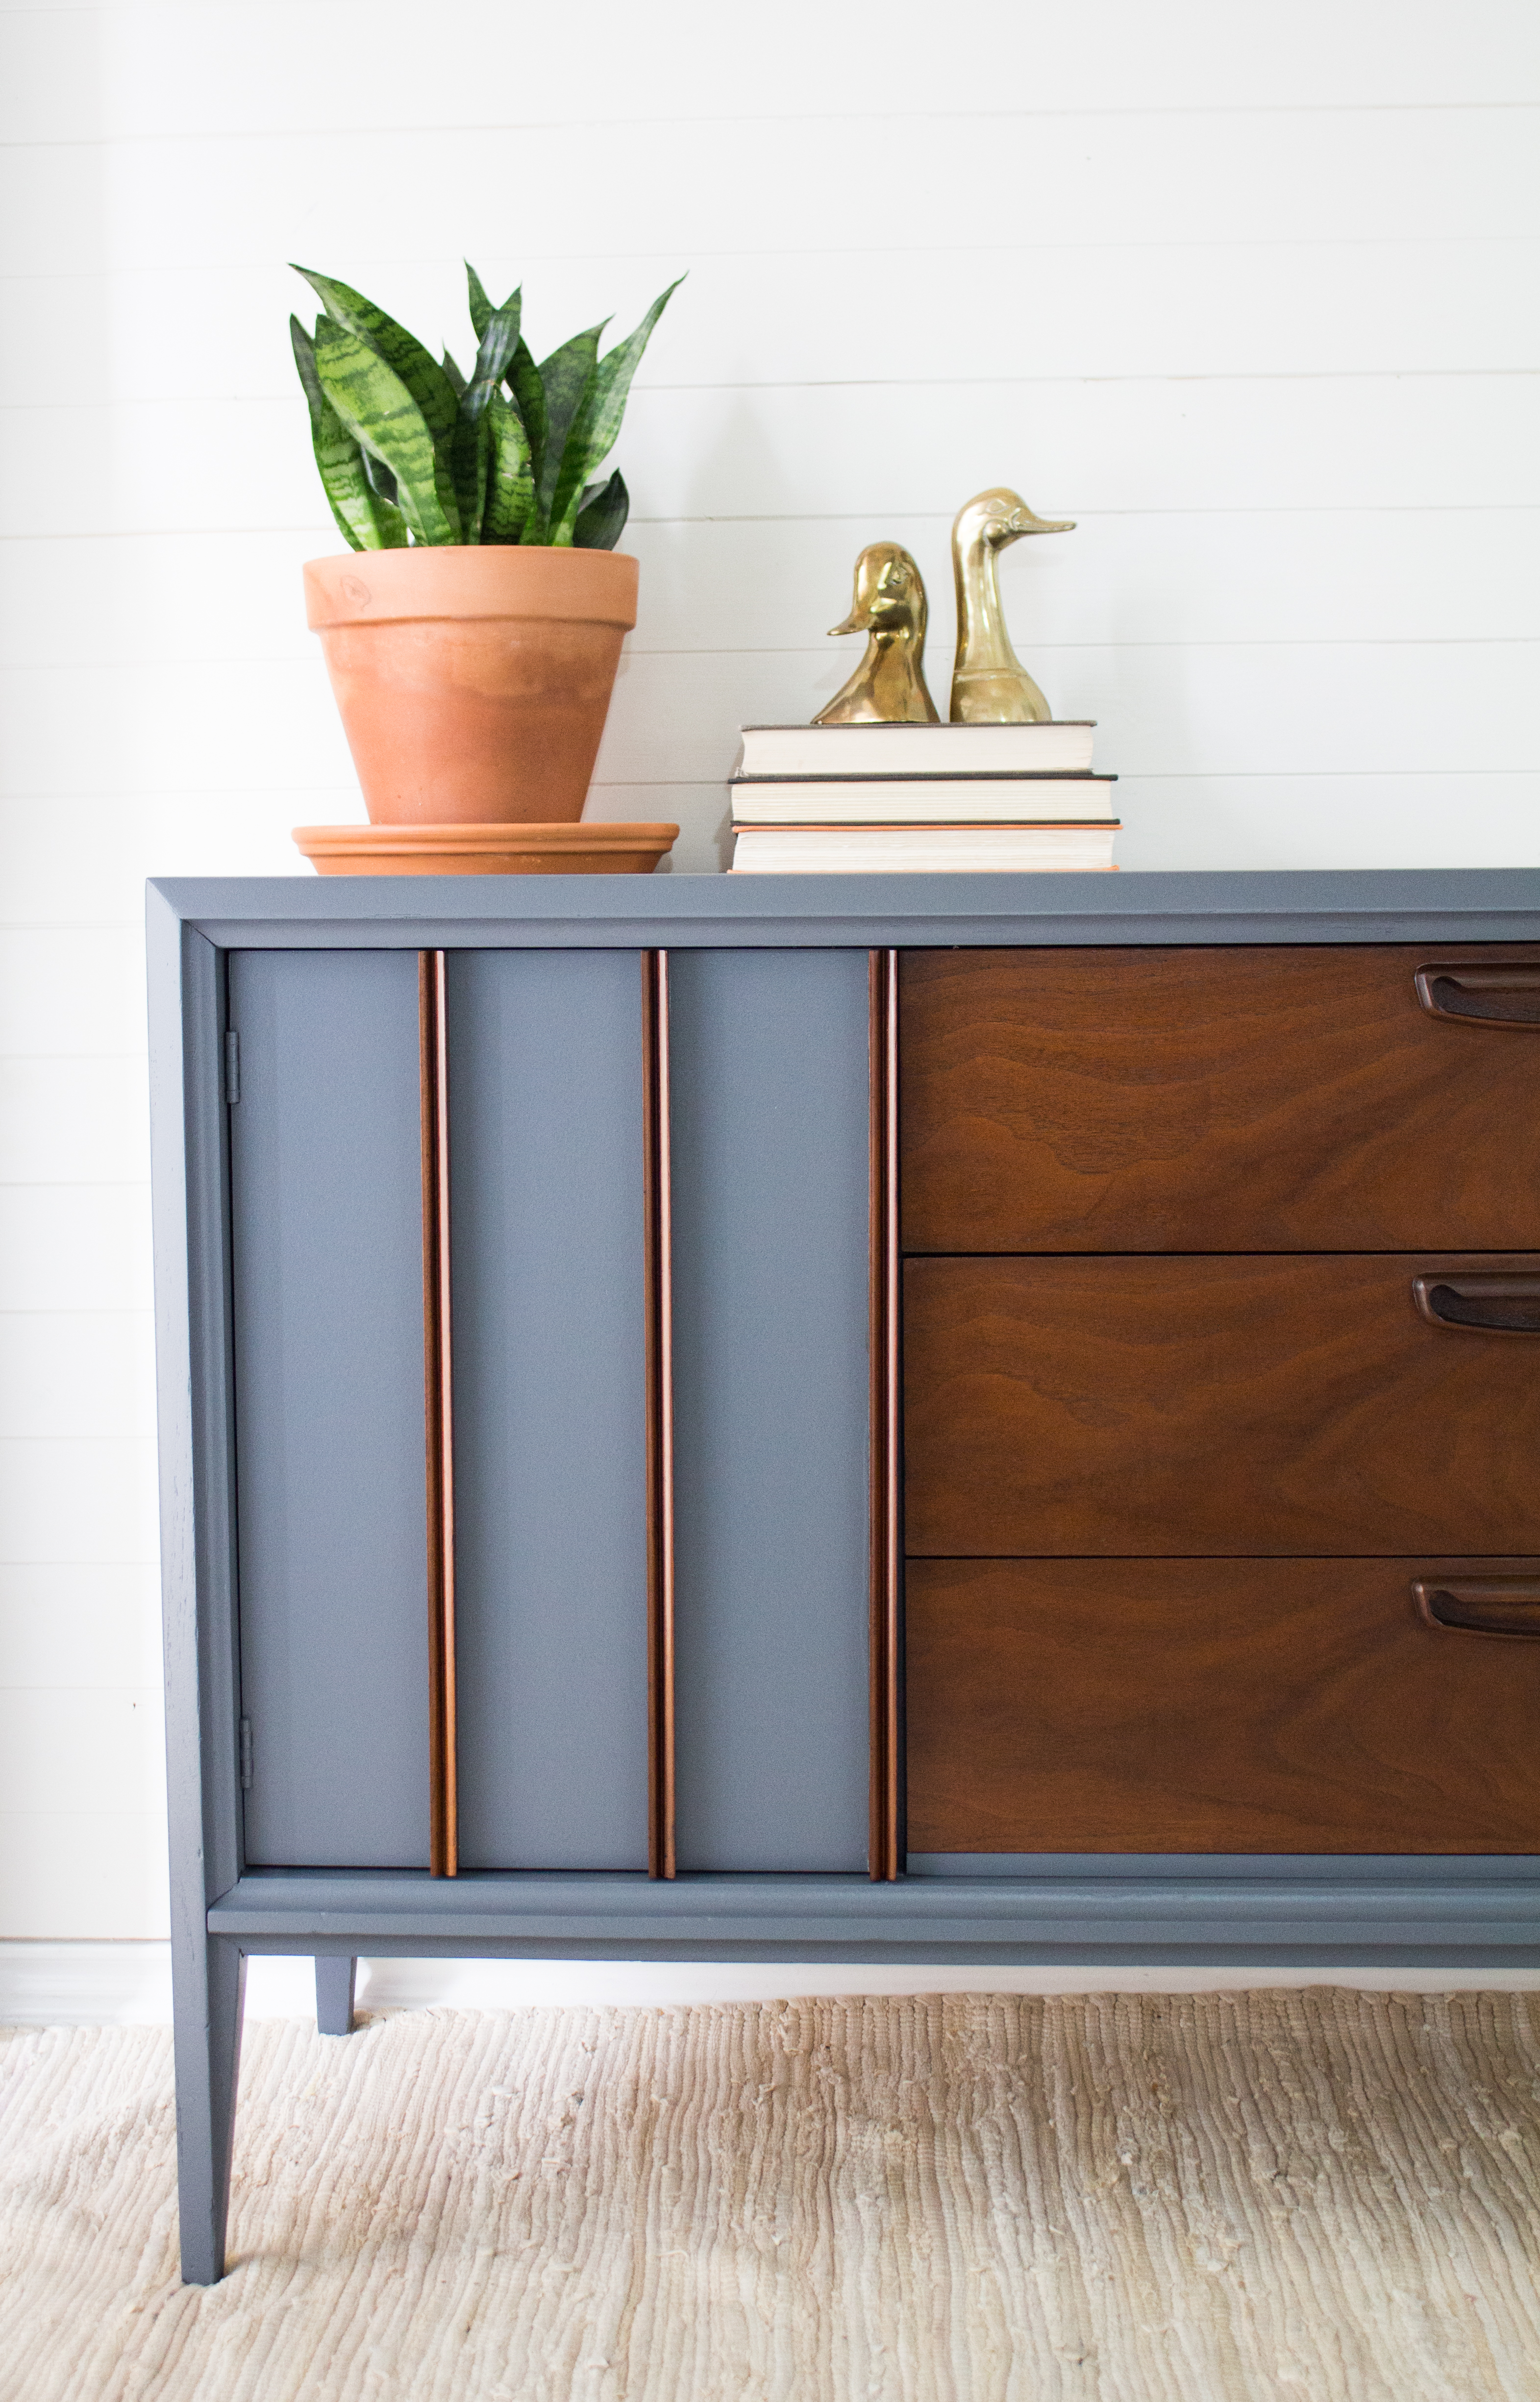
[843,799]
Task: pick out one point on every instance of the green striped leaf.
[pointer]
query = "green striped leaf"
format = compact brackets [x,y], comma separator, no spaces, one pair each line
[499,341]
[597,420]
[472,435]
[364,512]
[380,478]
[472,461]
[528,395]
[480,307]
[602,515]
[402,352]
[510,482]
[456,378]
[564,379]
[380,413]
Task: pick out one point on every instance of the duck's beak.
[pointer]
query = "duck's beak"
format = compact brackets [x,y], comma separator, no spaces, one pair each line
[856,623]
[1026,521]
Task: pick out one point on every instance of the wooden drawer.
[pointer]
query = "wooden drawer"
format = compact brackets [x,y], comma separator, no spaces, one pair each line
[1203,1405]
[1215,1100]
[1213,1706]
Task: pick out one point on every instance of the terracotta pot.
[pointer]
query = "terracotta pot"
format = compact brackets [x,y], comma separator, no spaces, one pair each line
[598,848]
[473,682]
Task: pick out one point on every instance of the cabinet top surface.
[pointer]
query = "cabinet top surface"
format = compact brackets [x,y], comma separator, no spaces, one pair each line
[1275,905]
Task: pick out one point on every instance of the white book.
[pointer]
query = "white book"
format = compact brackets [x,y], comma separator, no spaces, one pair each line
[876,850]
[921,800]
[1058,747]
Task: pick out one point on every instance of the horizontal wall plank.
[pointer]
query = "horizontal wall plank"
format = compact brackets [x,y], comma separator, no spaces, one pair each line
[88,863]
[75,1498]
[1223,822]
[79,1624]
[1210,822]
[1295,708]
[64,990]
[73,75]
[1216,709]
[234,727]
[75,1246]
[80,1121]
[111,1741]
[775,584]
[1416,818]
[1412,821]
[1328,174]
[799,451]
[67,1872]
[1304,575]
[1290,441]
[701,811]
[803,453]
[1115,310]
[77,1372]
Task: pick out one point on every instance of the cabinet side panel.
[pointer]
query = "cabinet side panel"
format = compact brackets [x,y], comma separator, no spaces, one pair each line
[771,1271]
[328,1263]
[548,1213]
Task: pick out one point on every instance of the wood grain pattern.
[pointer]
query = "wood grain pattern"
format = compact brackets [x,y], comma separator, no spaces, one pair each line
[1250,1706]
[1202,1405]
[1257,1099]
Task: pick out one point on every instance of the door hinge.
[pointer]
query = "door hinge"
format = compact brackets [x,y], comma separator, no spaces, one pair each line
[245,1755]
[232,1065]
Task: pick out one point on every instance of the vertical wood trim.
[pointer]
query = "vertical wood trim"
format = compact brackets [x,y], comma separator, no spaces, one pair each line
[885,1841]
[438,1413]
[659,1309]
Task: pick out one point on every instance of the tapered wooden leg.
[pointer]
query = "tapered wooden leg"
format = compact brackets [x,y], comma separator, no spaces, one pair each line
[335,1978]
[210,1993]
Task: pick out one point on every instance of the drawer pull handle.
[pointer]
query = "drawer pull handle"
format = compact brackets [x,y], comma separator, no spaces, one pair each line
[1504,995]
[1481,1606]
[1489,1304]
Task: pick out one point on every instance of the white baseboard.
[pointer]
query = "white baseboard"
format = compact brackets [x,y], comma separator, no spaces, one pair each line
[129,1985]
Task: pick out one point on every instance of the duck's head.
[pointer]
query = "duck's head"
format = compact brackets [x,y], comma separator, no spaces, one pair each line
[1000,516]
[890,592]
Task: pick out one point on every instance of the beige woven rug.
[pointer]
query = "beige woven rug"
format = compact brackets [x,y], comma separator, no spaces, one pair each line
[1123,2199]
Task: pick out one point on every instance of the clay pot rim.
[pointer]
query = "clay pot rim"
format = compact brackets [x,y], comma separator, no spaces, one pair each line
[608,846]
[447,582]
[603,833]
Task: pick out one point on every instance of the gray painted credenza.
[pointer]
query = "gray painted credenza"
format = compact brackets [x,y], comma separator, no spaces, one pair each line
[529,1269]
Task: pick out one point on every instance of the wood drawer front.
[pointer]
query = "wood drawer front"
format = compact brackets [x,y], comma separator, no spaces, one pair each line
[1211,1099]
[1213,1705]
[1204,1405]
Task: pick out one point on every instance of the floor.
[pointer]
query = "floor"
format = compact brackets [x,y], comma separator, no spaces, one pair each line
[1128,2197]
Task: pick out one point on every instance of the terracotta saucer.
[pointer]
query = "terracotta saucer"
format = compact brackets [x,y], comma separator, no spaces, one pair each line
[593,850]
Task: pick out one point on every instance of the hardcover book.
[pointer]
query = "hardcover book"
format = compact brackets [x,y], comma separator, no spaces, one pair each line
[1054,747]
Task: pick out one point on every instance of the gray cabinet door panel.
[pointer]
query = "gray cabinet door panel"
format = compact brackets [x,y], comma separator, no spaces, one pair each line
[771,1250]
[549,1407]
[327,1268]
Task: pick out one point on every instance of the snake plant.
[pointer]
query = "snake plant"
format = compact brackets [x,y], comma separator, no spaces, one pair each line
[411,450]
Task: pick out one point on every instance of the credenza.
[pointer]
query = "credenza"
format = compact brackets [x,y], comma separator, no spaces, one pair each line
[936,1419]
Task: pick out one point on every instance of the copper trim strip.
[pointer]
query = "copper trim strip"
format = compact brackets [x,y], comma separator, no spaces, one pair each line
[885,1791]
[438,1413]
[660,1311]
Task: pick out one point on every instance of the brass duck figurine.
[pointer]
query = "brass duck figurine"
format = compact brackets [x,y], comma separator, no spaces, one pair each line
[990,686]
[888,688]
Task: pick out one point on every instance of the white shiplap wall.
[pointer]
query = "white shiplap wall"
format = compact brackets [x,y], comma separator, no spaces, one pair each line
[1249,293]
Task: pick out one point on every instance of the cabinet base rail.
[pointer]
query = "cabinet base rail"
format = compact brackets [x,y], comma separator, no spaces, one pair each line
[1485,1908]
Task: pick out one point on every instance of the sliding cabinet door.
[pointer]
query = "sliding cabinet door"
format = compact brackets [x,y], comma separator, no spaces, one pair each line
[327,1245]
